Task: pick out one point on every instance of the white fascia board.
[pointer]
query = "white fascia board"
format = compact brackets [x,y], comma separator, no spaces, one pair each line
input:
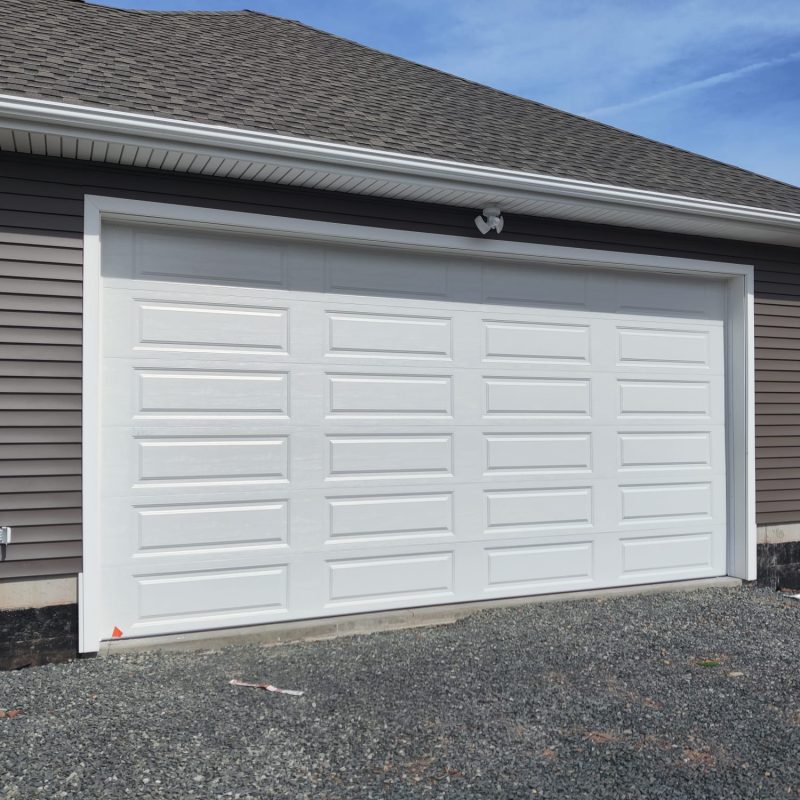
[46,116]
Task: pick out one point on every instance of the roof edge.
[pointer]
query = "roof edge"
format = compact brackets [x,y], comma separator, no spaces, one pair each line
[372,166]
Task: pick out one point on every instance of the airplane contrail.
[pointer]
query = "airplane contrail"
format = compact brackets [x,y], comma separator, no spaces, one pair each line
[714,80]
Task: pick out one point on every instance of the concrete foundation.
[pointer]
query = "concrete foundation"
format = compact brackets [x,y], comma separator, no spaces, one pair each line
[373,622]
[38,621]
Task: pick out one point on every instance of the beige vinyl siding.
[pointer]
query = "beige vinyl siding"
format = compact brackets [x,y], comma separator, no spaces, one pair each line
[40,389]
[778,392]
[41,224]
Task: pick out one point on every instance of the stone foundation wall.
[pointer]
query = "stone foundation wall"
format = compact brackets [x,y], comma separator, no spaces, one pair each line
[779,556]
[33,636]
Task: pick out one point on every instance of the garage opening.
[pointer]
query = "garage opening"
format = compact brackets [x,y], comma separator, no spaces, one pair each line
[292,428]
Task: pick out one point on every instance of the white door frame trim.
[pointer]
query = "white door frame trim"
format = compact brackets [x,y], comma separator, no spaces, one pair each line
[740,372]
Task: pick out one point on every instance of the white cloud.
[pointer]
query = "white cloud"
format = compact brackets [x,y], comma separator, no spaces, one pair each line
[692,86]
[580,54]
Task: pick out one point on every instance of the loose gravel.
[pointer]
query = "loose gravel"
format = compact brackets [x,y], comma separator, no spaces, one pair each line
[688,695]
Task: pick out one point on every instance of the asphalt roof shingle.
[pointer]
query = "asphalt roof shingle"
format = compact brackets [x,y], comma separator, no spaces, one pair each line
[252,71]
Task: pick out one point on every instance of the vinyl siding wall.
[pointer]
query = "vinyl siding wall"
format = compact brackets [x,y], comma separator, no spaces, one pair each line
[41,225]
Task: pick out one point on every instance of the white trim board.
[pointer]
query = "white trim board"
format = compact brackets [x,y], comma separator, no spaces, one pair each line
[49,128]
[739,344]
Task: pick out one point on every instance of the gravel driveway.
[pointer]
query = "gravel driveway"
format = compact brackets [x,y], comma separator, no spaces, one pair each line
[669,696]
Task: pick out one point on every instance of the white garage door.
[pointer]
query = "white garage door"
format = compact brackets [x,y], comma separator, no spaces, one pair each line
[295,430]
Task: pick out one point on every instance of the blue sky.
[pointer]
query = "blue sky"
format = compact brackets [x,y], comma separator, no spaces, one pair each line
[720,77]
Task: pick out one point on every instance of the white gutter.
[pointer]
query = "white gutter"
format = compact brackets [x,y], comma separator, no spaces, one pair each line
[49,117]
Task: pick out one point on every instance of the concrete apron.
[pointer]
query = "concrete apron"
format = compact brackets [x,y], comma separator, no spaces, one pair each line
[276,633]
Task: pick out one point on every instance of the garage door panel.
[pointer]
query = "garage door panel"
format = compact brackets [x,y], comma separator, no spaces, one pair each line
[660,455]
[543,287]
[389,399]
[388,395]
[386,273]
[662,348]
[654,555]
[389,456]
[526,510]
[210,327]
[666,397]
[540,567]
[176,460]
[160,546]
[175,392]
[531,343]
[149,253]
[669,296]
[389,518]
[215,591]
[411,577]
[183,529]
[185,395]
[530,397]
[169,464]
[199,526]
[518,339]
[237,463]
[207,597]
[348,429]
[315,522]
[387,336]
[646,451]
[212,392]
[148,324]
[503,340]
[535,454]
[156,588]
[658,557]
[655,503]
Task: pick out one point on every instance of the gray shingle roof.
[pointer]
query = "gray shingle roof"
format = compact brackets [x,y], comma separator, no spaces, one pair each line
[252,71]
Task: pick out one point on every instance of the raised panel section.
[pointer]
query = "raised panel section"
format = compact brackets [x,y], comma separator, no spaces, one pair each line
[663,348]
[659,450]
[192,393]
[390,456]
[538,508]
[388,577]
[232,460]
[390,395]
[538,342]
[385,273]
[659,554]
[537,452]
[527,285]
[389,335]
[212,526]
[212,328]
[532,397]
[190,595]
[664,398]
[390,517]
[666,501]
[539,564]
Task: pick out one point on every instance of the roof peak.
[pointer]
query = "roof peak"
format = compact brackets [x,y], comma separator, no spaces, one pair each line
[169,12]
